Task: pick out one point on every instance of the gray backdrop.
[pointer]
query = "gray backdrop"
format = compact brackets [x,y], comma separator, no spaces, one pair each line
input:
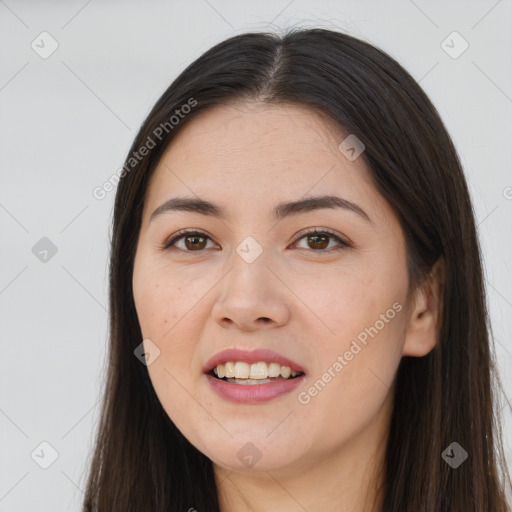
[76,80]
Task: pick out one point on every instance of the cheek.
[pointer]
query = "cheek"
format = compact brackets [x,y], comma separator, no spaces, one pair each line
[358,344]
[353,381]
[159,299]
[166,317]
[149,306]
[169,318]
[340,305]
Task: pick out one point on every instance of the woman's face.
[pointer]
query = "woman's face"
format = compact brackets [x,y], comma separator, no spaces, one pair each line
[253,279]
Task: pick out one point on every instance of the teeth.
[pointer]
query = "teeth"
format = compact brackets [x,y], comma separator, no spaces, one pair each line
[230,369]
[274,370]
[257,371]
[285,371]
[241,370]
[249,381]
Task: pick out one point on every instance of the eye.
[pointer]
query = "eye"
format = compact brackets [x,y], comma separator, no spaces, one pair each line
[318,239]
[195,241]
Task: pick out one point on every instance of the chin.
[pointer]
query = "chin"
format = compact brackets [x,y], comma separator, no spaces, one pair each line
[252,454]
[251,462]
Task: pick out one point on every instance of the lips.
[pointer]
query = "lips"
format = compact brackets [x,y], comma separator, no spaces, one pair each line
[234,390]
[255,393]
[253,356]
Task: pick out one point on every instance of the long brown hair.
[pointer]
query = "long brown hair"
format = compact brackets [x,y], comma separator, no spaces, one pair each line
[141,461]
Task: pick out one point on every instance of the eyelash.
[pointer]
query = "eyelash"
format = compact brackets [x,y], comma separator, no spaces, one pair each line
[168,244]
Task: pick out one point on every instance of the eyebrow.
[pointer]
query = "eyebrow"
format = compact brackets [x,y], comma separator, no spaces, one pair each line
[203,207]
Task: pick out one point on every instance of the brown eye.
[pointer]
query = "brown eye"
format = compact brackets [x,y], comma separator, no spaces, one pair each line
[193,241]
[319,241]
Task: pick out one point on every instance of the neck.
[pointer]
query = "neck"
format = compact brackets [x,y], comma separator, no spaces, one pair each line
[349,479]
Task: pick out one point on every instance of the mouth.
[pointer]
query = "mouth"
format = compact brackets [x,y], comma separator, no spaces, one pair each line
[252,377]
[262,372]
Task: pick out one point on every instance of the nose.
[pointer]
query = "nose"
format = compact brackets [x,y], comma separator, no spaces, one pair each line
[251,297]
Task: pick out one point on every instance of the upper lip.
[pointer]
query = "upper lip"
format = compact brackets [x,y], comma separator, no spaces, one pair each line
[250,356]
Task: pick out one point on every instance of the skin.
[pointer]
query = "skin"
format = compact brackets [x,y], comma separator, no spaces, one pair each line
[248,157]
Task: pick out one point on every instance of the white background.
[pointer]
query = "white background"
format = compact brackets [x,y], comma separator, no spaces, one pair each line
[66,124]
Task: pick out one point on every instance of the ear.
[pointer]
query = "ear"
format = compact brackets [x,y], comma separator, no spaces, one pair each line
[426,313]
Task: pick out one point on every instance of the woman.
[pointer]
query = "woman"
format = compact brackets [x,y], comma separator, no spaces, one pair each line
[298,316]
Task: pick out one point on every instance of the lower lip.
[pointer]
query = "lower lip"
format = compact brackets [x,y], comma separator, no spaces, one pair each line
[253,393]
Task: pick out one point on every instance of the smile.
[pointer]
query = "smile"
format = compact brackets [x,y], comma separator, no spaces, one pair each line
[252,377]
[240,372]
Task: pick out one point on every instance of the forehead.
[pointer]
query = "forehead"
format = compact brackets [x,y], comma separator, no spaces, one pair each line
[252,133]
[255,153]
